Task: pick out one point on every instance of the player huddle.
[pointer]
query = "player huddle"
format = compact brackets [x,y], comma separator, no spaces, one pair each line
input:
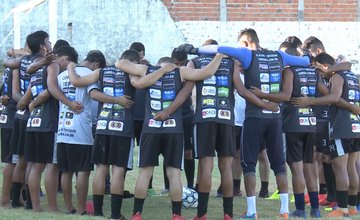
[60,116]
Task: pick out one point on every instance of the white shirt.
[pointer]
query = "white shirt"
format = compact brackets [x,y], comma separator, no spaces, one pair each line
[239,108]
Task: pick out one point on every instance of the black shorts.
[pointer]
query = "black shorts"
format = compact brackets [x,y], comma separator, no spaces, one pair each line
[171,146]
[138,124]
[188,133]
[41,147]
[238,131]
[5,145]
[74,157]
[322,137]
[18,137]
[299,147]
[339,147]
[211,137]
[113,150]
[256,133]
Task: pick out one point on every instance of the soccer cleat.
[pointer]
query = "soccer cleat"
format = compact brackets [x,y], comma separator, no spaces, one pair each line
[358,207]
[246,216]
[322,197]
[151,192]
[284,215]
[324,202]
[136,216]
[90,207]
[165,192]
[298,214]
[177,217]
[307,198]
[275,196]
[337,213]
[292,198]
[264,194]
[352,211]
[315,213]
[202,217]
[227,217]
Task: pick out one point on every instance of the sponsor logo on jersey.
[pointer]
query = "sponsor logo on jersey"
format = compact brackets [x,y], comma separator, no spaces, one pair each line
[156,105]
[208,90]
[169,84]
[33,90]
[170,123]
[158,84]
[107,105]
[312,120]
[20,112]
[275,66]
[274,88]
[224,114]
[303,80]
[169,94]
[68,122]
[109,91]
[304,111]
[119,92]
[223,92]
[265,88]
[116,125]
[304,90]
[263,66]
[3,119]
[166,104]
[211,80]
[118,115]
[154,124]
[104,114]
[208,102]
[222,80]
[35,122]
[223,103]
[274,77]
[352,94]
[355,127]
[101,124]
[155,93]
[312,90]
[264,77]
[208,113]
[69,115]
[304,121]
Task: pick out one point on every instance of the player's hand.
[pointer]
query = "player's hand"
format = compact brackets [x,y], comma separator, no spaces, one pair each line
[5,99]
[21,105]
[257,92]
[301,101]
[125,101]
[71,66]
[221,56]
[271,106]
[162,116]
[188,48]
[355,110]
[31,106]
[76,107]
[49,57]
[169,67]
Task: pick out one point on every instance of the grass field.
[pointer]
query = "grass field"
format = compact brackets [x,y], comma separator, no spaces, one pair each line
[158,207]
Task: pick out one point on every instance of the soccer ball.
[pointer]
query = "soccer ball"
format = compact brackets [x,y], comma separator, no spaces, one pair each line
[189,198]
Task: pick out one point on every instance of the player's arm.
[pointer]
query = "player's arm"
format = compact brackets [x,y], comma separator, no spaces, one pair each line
[290,60]
[40,62]
[78,81]
[284,95]
[335,68]
[250,97]
[16,92]
[40,99]
[190,74]
[13,63]
[180,98]
[17,52]
[23,103]
[124,101]
[53,87]
[332,98]
[131,68]
[150,79]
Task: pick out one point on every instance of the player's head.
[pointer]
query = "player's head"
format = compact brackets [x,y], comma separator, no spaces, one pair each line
[66,54]
[323,61]
[38,42]
[248,38]
[314,46]
[180,57]
[210,42]
[96,58]
[165,60]
[296,42]
[60,43]
[140,48]
[289,48]
[131,55]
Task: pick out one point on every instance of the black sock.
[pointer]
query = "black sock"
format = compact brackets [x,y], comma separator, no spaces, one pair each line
[15,196]
[138,205]
[342,199]
[116,202]
[166,180]
[322,188]
[264,186]
[299,201]
[28,203]
[203,204]
[189,167]
[330,182]
[314,200]
[236,183]
[176,207]
[358,198]
[98,201]
[228,205]
[150,183]
[352,200]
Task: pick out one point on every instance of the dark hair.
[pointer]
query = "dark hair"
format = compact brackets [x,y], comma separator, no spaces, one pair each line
[250,33]
[289,48]
[313,42]
[137,46]
[96,56]
[60,43]
[131,55]
[165,60]
[35,40]
[210,42]
[325,58]
[180,56]
[68,51]
[294,40]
